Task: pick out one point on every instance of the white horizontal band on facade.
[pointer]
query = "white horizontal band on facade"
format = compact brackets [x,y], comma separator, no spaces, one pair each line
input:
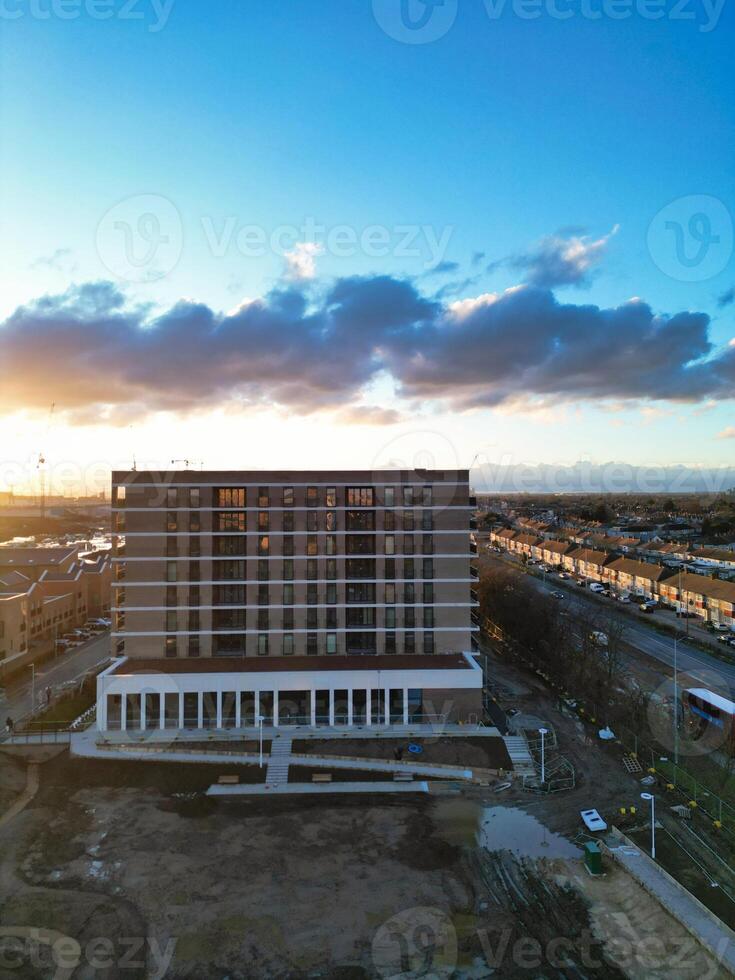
[275,631]
[120,508]
[304,605]
[124,583]
[238,485]
[302,532]
[459,556]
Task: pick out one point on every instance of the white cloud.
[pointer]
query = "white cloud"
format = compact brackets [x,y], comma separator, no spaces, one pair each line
[300,262]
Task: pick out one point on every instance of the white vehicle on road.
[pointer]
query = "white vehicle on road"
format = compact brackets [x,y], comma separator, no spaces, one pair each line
[596,587]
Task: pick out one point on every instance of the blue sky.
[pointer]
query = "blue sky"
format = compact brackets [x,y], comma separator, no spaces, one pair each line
[495,136]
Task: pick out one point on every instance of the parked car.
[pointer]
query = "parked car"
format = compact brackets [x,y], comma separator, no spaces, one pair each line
[558,595]
[725,638]
[599,638]
[624,598]
[564,575]
[649,606]
[720,627]
[596,587]
[580,582]
[686,615]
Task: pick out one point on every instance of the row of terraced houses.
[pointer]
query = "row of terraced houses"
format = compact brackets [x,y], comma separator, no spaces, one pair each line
[712,599]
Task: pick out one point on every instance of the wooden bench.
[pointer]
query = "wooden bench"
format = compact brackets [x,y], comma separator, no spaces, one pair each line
[321,777]
[228,780]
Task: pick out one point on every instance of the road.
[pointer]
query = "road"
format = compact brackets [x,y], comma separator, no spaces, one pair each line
[66,667]
[701,667]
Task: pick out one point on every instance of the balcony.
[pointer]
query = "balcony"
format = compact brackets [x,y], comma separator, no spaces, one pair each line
[473,548]
[474,572]
[474,597]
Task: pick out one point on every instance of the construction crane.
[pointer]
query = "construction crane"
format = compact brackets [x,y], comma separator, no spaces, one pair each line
[41,463]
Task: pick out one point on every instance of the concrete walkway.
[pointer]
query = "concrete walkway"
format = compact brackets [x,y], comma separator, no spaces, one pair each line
[278,762]
[704,925]
[31,788]
[295,789]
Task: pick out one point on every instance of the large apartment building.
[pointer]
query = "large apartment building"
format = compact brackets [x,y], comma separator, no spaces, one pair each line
[331,581]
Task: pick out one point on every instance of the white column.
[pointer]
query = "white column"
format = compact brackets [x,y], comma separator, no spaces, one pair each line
[349,708]
[200,710]
[238,709]
[313,708]
[162,710]
[331,706]
[275,709]
[405,705]
[102,712]
[387,706]
[123,712]
[369,706]
[181,709]
[142,711]
[219,709]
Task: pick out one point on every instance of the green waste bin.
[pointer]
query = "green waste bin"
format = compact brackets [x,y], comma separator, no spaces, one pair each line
[593,857]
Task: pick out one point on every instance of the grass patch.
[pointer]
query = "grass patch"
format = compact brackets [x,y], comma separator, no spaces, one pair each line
[63,712]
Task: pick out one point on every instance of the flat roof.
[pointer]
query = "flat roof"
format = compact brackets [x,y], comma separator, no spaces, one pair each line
[716,700]
[235,477]
[230,665]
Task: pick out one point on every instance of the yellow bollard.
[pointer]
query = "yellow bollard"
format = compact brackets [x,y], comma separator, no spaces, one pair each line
[632,811]
[693,804]
[652,771]
[717,825]
[623,811]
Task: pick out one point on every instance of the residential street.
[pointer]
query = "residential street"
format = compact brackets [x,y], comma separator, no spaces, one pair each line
[697,664]
[51,673]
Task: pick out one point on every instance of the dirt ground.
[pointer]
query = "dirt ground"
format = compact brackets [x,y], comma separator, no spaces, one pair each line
[12,780]
[481,752]
[345,888]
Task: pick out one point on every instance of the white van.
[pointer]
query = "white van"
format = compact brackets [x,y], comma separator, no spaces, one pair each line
[596,587]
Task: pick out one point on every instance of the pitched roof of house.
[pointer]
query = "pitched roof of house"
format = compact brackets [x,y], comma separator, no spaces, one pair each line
[556,547]
[715,554]
[704,585]
[508,533]
[527,539]
[589,555]
[34,557]
[641,569]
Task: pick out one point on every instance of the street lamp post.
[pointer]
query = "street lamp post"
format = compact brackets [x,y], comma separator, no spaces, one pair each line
[32,668]
[676,700]
[650,797]
[260,732]
[543,732]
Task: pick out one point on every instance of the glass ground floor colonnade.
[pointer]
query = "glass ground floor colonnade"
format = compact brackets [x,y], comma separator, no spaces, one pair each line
[361,691]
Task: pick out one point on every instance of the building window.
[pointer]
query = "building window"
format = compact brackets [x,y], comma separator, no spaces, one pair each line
[195,571]
[390,592]
[332,619]
[170,646]
[171,621]
[172,521]
[263,595]
[408,568]
[264,523]
[287,569]
[331,497]
[428,568]
[312,497]
[390,544]
[408,544]
[195,547]
[229,595]
[172,571]
[288,595]
[427,520]
[409,617]
[172,498]
[408,496]
[172,546]
[230,521]
[264,497]
[195,500]
[331,521]
[120,522]
[390,568]
[428,642]
[331,568]
[331,593]
[312,594]
[170,595]
[389,497]
[331,643]
[409,593]
[428,617]
[427,497]
[390,642]
[428,592]
[194,597]
[264,544]
[194,646]
[287,500]
[312,546]
[263,570]
[389,520]
[287,619]
[408,522]
[229,545]
[312,521]
[288,644]
[262,644]
[360,497]
[330,544]
[229,570]
[230,497]
[288,524]
[193,620]
[409,642]
[120,496]
[287,544]
[427,544]
[312,644]
[390,619]
[228,619]
[263,619]
[195,521]
[312,618]
[312,568]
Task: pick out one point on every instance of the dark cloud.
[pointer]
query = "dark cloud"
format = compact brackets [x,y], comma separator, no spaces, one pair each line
[727,298]
[565,259]
[89,349]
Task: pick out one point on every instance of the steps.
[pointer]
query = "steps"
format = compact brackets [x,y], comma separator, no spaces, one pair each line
[277,772]
[520,756]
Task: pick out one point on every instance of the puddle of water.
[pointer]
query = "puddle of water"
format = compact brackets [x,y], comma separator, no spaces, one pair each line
[499,828]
